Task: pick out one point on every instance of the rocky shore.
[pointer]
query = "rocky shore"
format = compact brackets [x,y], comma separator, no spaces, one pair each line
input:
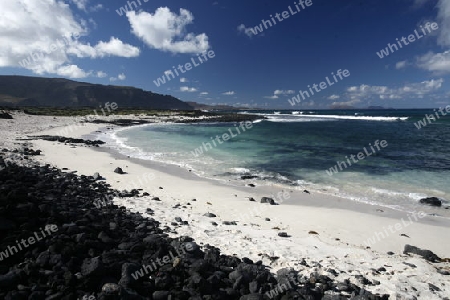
[69,230]
[107,252]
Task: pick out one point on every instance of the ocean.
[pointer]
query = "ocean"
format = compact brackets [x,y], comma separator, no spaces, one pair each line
[328,151]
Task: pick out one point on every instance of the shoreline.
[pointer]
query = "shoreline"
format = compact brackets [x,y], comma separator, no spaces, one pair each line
[325,191]
[331,217]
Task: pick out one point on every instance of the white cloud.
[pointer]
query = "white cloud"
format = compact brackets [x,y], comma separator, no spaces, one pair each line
[71,71]
[276,93]
[96,7]
[230,93]
[166,31]
[334,97]
[444,22]
[284,92]
[101,74]
[247,31]
[346,103]
[114,47]
[32,37]
[439,63]
[204,93]
[411,90]
[182,79]
[121,76]
[187,89]
[81,4]
[401,64]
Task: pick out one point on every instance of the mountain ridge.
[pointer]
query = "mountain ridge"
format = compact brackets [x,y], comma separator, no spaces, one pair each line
[19,91]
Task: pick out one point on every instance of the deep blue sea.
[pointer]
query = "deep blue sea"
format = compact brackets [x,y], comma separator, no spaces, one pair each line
[296,148]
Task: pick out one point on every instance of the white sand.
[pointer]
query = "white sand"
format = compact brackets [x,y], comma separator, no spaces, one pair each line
[331,217]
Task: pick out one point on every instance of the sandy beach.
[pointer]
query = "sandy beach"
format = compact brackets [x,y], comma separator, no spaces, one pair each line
[323,232]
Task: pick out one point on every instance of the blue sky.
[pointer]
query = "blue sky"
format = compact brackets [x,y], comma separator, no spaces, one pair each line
[264,70]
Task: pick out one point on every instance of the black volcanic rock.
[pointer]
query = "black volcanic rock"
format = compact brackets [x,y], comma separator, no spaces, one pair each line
[118,171]
[268,200]
[62,139]
[109,252]
[426,254]
[433,201]
[5,115]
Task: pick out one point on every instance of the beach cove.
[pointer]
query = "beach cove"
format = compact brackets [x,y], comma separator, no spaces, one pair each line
[326,232]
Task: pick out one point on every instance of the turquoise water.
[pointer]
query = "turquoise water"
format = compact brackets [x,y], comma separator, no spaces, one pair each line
[297,149]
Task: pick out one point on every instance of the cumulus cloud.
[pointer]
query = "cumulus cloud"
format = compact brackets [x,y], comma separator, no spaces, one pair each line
[204,93]
[101,74]
[334,97]
[34,39]
[345,103]
[277,93]
[182,79]
[401,64]
[121,76]
[229,93]
[439,63]
[444,22]
[247,31]
[96,7]
[187,89]
[114,47]
[411,90]
[166,31]
[81,4]
[284,92]
[72,71]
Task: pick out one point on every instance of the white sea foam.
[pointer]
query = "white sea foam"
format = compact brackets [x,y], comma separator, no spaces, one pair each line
[303,118]
[297,116]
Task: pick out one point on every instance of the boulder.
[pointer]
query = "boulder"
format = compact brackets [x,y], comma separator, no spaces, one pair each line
[426,254]
[268,200]
[433,201]
[119,171]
